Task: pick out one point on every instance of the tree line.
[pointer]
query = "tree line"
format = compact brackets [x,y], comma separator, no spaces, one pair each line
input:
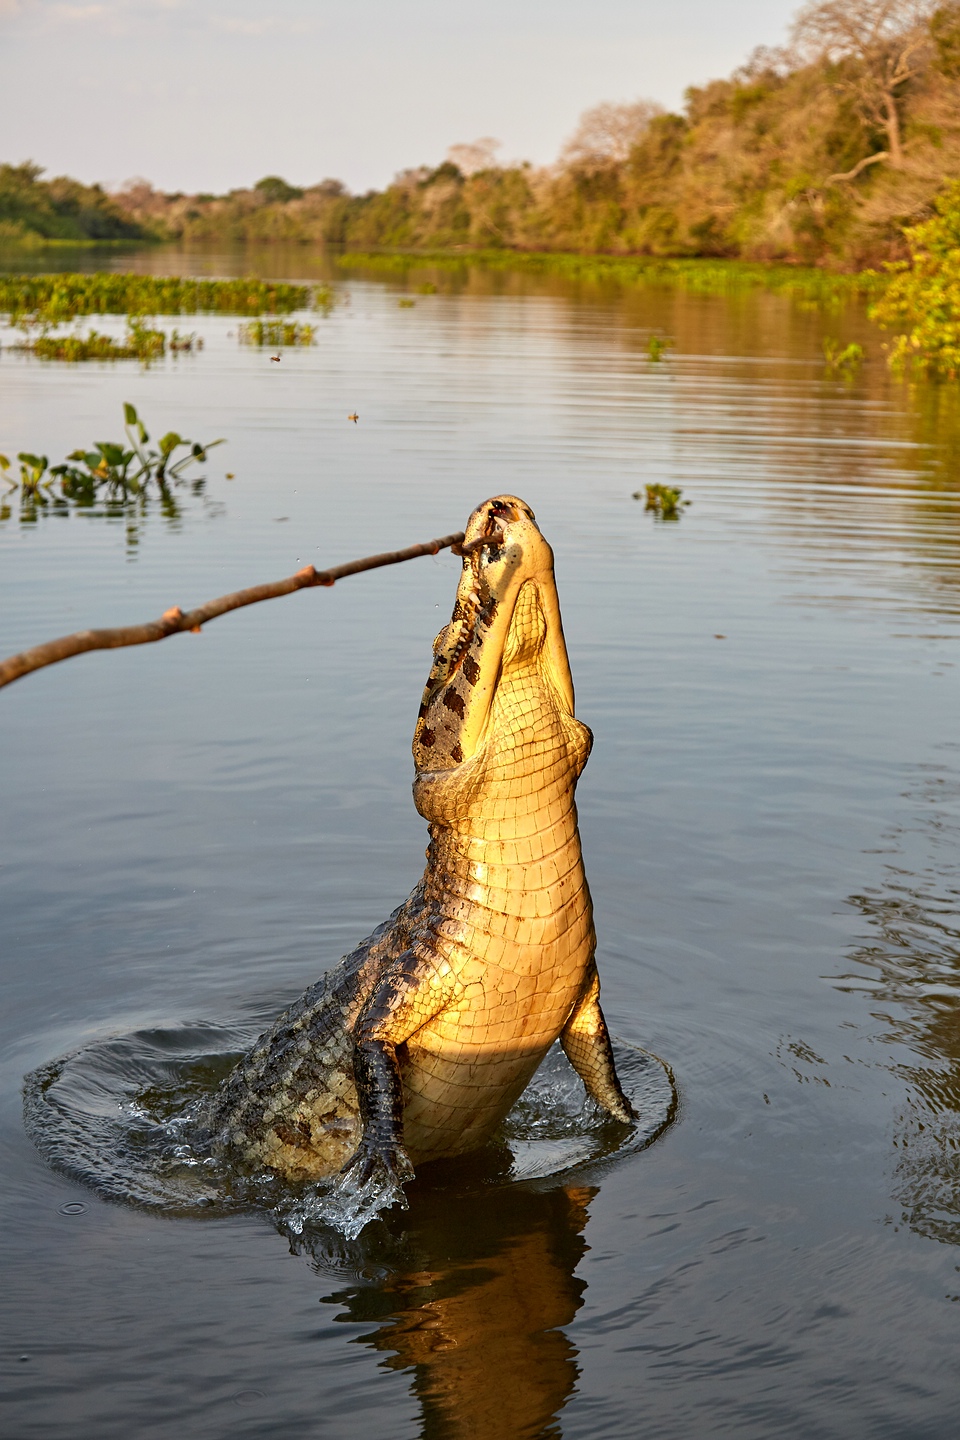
[821,152]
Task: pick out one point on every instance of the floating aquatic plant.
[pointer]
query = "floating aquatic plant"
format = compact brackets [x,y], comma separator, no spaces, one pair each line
[276,332]
[663,500]
[657,347]
[140,343]
[53,299]
[119,470]
[121,481]
[842,360]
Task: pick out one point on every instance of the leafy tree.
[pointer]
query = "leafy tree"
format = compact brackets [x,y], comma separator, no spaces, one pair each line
[478,155]
[276,191]
[877,46]
[607,133]
[945,31]
[59,209]
[924,298]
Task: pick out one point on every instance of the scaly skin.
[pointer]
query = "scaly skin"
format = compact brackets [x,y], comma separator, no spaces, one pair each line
[418,1043]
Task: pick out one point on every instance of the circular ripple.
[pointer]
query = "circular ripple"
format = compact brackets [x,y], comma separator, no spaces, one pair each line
[118,1116]
[553,1128]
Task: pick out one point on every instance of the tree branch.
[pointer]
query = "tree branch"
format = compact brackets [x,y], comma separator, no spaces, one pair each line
[861,165]
[174,620]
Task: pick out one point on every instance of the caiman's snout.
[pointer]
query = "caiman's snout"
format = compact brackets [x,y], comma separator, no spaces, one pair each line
[487,520]
[503,553]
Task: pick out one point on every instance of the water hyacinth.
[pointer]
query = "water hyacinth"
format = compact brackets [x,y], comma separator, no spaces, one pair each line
[52,299]
[844,360]
[657,347]
[140,343]
[121,471]
[664,500]
[276,332]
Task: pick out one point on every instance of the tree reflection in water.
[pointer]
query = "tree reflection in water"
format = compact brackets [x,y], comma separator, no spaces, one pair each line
[914,956]
[471,1290]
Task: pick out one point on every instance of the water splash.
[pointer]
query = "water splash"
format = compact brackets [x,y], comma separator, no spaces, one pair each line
[340,1205]
[120,1115]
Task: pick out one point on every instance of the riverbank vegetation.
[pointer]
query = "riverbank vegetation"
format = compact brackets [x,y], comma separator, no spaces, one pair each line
[36,213]
[817,154]
[817,170]
[923,298]
[806,283]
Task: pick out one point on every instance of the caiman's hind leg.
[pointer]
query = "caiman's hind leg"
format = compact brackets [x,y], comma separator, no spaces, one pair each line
[586,1044]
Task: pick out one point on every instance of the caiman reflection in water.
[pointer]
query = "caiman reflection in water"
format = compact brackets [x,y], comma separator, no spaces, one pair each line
[474,1306]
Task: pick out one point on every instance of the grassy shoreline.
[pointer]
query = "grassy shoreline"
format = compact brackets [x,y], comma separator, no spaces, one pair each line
[698,275]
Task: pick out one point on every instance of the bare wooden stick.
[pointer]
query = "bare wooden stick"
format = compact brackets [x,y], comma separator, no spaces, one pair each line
[174,620]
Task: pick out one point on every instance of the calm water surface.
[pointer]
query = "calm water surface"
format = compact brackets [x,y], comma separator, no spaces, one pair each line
[771,825]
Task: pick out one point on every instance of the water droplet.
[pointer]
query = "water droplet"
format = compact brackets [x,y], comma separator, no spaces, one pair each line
[247,1397]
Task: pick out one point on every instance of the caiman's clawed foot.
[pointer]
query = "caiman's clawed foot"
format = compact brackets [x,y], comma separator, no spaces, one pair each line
[624,1111]
[389,1163]
[586,1043]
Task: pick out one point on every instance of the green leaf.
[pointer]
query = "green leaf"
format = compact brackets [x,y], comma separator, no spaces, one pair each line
[27,459]
[4,463]
[170,442]
[130,414]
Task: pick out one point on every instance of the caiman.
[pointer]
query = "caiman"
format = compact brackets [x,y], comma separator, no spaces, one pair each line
[417,1044]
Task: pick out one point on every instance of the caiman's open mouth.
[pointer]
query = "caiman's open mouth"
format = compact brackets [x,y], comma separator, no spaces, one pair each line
[503,552]
[475,604]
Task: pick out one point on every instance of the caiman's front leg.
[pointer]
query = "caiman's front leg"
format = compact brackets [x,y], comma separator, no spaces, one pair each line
[586,1044]
[416,988]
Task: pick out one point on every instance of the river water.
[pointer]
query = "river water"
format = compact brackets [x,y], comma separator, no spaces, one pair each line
[192,832]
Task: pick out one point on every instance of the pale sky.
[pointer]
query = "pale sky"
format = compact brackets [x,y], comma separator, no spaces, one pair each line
[212,94]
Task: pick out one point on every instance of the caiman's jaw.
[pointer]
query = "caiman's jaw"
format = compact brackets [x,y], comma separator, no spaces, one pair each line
[504,556]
